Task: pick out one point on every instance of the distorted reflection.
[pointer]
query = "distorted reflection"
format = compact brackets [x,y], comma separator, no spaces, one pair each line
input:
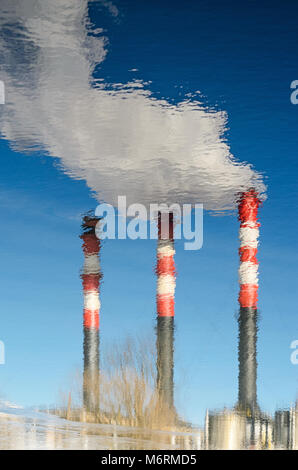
[227,429]
[121,139]
[116,136]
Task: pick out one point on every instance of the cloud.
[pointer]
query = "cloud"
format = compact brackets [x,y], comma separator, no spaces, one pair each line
[117,137]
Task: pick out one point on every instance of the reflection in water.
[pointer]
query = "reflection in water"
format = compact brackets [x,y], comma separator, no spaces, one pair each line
[234,430]
[91,277]
[32,430]
[286,429]
[117,137]
[165,302]
[122,140]
[248,297]
[228,429]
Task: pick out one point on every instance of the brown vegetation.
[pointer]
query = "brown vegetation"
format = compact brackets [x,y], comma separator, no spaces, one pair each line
[127,390]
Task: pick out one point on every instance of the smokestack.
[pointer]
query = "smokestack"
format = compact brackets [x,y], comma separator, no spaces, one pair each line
[248,297]
[90,278]
[166,283]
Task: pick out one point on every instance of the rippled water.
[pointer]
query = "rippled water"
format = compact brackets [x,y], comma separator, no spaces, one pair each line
[118,137]
[167,104]
[24,429]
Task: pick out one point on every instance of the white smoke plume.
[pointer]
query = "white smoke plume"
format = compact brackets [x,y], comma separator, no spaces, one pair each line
[117,137]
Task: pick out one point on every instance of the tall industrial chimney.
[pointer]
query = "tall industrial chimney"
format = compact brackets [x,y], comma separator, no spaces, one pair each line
[90,278]
[166,283]
[248,297]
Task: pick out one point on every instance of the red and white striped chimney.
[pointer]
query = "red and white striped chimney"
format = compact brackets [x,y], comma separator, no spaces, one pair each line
[248,234]
[165,269]
[165,302]
[248,297]
[91,276]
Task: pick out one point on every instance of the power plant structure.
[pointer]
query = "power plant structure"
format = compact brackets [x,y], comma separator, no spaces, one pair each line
[91,277]
[248,297]
[245,425]
[231,429]
[165,303]
[286,428]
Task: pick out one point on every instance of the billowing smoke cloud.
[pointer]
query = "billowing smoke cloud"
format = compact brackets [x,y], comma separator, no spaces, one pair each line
[117,137]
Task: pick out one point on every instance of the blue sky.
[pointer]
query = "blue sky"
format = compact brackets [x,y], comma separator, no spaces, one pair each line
[242,59]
